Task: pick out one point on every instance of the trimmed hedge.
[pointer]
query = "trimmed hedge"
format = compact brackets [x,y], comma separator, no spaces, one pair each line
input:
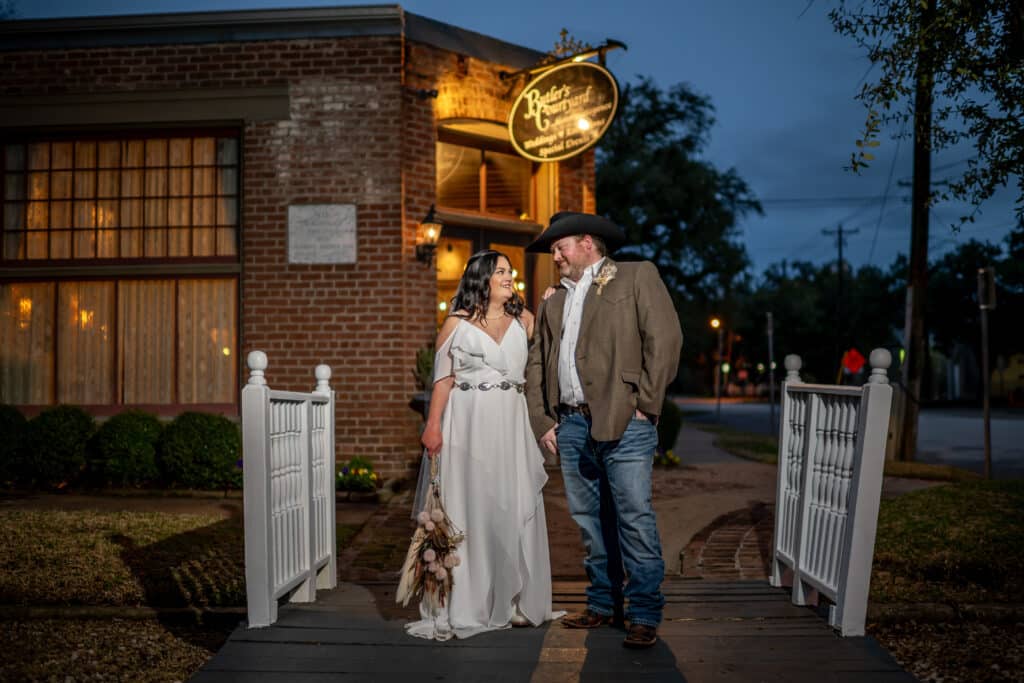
[12,431]
[201,451]
[53,450]
[123,452]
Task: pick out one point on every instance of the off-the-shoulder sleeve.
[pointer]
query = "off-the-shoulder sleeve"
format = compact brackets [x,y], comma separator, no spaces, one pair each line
[443,359]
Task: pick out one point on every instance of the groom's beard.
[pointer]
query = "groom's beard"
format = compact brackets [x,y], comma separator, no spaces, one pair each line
[572,271]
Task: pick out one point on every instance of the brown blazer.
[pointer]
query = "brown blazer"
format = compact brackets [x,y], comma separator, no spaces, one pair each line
[627,353]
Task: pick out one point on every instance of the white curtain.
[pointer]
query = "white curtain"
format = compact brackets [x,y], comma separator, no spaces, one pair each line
[26,343]
[85,342]
[145,334]
[206,341]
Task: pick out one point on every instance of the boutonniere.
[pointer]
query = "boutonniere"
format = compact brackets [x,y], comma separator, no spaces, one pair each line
[604,276]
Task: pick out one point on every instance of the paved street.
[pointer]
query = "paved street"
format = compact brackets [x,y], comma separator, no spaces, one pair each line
[947,436]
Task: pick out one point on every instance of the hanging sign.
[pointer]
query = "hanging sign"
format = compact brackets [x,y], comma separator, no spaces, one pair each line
[563,112]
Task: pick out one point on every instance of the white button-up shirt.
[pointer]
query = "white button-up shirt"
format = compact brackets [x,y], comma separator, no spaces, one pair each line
[570,390]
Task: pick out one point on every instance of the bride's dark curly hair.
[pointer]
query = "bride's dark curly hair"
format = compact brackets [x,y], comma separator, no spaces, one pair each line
[475,287]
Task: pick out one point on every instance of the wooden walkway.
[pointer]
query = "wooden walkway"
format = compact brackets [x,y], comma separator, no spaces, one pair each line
[713,631]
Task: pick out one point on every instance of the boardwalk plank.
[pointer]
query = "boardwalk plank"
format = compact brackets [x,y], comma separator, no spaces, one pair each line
[713,631]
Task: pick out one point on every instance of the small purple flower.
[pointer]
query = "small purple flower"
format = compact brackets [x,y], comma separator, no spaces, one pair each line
[344,470]
[238,463]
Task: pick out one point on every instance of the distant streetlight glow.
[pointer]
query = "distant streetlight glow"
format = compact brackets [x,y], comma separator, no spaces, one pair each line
[716,323]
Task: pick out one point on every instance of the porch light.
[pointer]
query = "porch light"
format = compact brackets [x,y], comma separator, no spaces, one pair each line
[430,232]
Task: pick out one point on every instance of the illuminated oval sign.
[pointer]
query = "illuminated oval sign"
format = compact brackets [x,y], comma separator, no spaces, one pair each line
[563,112]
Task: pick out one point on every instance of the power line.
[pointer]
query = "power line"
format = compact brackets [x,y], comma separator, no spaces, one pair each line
[885,196]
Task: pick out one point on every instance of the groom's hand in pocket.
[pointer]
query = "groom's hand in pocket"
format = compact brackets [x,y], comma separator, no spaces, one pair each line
[550,441]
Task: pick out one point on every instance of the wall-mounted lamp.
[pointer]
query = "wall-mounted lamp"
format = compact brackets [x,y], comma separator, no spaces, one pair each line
[430,232]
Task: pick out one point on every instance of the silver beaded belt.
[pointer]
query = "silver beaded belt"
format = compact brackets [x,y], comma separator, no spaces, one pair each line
[504,385]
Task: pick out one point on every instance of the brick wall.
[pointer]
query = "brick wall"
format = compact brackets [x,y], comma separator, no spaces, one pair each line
[358,134]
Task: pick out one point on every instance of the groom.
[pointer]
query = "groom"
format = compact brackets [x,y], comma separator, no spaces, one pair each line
[604,349]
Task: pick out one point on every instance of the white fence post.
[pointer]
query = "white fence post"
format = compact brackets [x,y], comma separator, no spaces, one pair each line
[288,463]
[328,576]
[849,612]
[831,459]
[259,579]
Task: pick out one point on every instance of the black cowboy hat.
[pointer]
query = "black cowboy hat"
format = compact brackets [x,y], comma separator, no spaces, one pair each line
[565,223]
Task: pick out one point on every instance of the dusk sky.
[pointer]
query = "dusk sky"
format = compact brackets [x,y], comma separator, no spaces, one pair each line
[781,81]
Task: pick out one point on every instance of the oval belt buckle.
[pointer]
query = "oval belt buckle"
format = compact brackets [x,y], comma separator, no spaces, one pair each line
[465,386]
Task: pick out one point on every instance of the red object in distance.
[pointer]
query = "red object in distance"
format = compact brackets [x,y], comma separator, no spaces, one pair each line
[853,361]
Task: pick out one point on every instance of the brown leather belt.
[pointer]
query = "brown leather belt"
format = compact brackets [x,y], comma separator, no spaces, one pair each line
[582,409]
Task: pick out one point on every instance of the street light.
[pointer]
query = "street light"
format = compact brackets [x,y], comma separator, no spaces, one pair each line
[716,324]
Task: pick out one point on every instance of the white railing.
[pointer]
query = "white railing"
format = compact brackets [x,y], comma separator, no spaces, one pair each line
[831,457]
[288,466]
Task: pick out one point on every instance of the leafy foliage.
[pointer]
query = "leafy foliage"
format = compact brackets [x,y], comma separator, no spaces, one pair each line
[201,451]
[972,54]
[12,429]
[678,210]
[124,449]
[357,475]
[53,452]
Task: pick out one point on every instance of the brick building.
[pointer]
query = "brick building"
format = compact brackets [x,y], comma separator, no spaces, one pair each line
[162,178]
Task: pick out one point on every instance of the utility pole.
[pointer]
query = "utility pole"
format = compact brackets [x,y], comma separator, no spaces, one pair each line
[917,282]
[986,302]
[840,329]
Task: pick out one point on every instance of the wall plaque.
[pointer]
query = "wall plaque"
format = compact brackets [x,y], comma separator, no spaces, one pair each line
[322,233]
[563,112]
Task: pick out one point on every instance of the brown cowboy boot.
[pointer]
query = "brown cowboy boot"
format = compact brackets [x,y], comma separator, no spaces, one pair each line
[585,619]
[640,636]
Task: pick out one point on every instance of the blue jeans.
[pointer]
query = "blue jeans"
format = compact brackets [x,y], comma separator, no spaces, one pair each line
[608,486]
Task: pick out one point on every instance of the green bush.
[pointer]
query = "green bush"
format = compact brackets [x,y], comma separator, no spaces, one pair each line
[12,430]
[357,475]
[53,451]
[201,451]
[123,452]
[669,423]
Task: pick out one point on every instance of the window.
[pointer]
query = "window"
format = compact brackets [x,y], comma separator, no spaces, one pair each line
[80,321]
[120,198]
[482,180]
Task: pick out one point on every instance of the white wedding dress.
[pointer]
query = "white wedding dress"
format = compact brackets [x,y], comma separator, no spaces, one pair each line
[491,476]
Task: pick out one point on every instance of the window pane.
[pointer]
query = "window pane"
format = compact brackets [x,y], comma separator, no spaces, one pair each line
[60,185]
[14,157]
[227,151]
[508,184]
[39,185]
[458,177]
[39,155]
[135,154]
[131,183]
[155,239]
[63,155]
[207,323]
[146,341]
[227,242]
[110,154]
[203,152]
[109,185]
[203,242]
[26,343]
[85,155]
[227,181]
[156,153]
[14,186]
[85,184]
[107,222]
[181,152]
[85,342]
[227,211]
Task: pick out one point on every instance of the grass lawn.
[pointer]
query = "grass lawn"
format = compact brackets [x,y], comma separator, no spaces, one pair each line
[84,557]
[765,448]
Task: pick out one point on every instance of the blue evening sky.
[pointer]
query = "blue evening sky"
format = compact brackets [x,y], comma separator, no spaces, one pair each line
[782,83]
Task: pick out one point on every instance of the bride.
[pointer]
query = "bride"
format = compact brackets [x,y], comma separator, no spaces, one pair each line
[491,470]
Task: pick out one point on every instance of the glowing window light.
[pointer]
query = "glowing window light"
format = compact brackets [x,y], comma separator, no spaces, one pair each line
[442,306]
[226,351]
[521,286]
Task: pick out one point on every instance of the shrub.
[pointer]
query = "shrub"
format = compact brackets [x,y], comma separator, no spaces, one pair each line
[666,458]
[53,451]
[669,423]
[357,475]
[123,451]
[201,451]
[12,430]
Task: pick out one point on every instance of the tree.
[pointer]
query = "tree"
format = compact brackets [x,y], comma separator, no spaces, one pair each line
[970,57]
[977,78]
[678,210]
[8,9]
